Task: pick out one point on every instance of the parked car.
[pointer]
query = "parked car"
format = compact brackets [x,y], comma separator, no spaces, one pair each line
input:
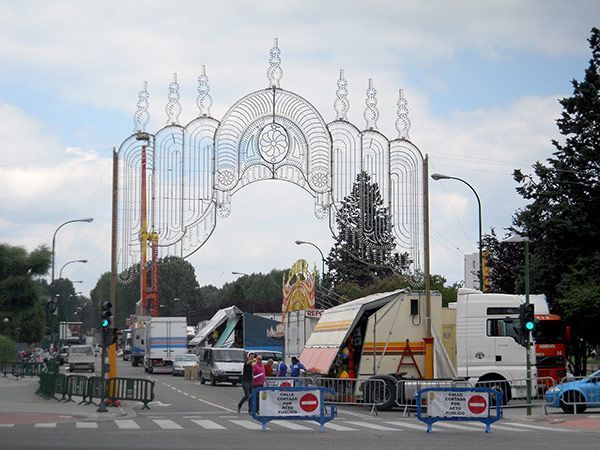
[221,365]
[183,361]
[576,396]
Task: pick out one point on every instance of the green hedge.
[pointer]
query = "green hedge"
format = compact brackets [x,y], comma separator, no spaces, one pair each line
[8,349]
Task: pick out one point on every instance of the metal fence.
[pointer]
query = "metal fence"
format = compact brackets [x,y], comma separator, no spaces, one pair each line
[356,391]
[406,391]
[24,369]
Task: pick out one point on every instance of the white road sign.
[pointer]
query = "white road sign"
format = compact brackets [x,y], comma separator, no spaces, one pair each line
[286,403]
[457,404]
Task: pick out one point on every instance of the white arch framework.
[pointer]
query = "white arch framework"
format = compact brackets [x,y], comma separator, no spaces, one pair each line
[193,170]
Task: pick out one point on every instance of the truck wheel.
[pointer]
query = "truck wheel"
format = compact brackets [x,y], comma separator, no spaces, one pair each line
[380,391]
[574,402]
[234,383]
[213,381]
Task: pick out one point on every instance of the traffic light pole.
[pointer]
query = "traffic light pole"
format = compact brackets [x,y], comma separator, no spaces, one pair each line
[528,332]
[102,406]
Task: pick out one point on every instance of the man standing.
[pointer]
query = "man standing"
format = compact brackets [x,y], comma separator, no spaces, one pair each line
[296,367]
[246,382]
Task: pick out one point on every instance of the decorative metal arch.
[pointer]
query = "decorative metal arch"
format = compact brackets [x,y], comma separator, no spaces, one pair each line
[193,170]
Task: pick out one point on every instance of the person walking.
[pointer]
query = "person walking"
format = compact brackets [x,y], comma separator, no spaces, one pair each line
[296,367]
[247,382]
[258,377]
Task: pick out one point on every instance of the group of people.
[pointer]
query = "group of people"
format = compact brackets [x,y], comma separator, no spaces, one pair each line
[255,374]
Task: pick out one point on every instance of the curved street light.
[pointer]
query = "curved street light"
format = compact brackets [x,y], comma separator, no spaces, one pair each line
[439,176]
[71,262]
[87,220]
[322,256]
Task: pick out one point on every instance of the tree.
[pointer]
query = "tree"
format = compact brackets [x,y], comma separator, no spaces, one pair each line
[20,295]
[506,264]
[364,247]
[562,220]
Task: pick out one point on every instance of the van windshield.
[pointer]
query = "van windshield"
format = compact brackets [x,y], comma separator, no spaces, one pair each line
[228,355]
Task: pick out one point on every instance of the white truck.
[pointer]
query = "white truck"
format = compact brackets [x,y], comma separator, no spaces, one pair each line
[166,337]
[383,336]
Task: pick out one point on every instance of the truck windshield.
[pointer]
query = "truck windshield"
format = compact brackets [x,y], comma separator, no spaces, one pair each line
[82,350]
[548,332]
[229,355]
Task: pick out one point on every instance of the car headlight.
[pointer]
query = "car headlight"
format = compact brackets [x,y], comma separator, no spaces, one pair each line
[553,389]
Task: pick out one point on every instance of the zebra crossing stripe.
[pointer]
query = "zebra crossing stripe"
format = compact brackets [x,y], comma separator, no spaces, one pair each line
[373,426]
[333,426]
[455,426]
[86,424]
[291,425]
[247,424]
[127,425]
[208,424]
[7,425]
[537,427]
[45,425]
[166,424]
[412,426]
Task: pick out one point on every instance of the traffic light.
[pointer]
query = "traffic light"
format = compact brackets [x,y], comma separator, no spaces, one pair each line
[527,318]
[106,315]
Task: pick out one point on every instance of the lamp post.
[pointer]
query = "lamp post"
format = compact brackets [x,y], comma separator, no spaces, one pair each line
[87,220]
[84,261]
[525,241]
[439,176]
[322,256]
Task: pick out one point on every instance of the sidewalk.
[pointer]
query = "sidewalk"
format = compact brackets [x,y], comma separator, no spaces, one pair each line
[18,399]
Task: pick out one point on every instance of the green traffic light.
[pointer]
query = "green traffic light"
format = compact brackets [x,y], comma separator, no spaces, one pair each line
[104,323]
[529,326]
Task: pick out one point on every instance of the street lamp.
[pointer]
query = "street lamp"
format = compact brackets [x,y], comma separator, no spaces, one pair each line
[87,220]
[525,240]
[71,262]
[439,176]
[322,256]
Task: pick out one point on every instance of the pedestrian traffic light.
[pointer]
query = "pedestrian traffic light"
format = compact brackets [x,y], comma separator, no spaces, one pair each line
[527,318]
[105,315]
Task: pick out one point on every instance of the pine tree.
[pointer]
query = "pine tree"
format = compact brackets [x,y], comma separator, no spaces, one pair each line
[364,246]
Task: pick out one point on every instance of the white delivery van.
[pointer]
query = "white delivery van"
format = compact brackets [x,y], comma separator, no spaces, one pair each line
[221,364]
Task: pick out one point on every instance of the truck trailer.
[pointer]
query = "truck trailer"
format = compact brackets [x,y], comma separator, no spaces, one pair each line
[165,338]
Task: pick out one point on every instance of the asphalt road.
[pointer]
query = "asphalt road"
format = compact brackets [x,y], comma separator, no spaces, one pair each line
[187,414]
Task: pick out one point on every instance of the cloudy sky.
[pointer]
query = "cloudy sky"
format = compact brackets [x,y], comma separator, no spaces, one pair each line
[482,80]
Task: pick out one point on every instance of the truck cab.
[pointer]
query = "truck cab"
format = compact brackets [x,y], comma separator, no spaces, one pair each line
[81,357]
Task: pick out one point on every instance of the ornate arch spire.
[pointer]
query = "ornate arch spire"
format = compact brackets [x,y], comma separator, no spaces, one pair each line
[341,103]
[204,100]
[173,107]
[371,113]
[274,72]
[402,122]
[142,116]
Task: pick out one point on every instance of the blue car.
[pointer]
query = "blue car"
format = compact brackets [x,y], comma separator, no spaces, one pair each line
[576,396]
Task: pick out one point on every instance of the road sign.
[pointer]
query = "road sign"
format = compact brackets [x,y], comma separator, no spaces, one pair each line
[477,404]
[309,402]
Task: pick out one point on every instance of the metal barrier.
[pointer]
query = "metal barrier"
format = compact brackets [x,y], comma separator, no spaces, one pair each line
[135,389]
[60,386]
[23,369]
[94,390]
[407,389]
[372,392]
[77,385]
[515,391]
[572,394]
[290,381]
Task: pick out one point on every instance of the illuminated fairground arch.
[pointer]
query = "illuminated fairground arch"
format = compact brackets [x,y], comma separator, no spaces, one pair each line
[186,175]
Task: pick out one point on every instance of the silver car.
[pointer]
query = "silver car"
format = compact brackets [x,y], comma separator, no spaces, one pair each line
[183,361]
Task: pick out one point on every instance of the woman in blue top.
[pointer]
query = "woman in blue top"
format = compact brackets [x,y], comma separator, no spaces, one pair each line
[295,367]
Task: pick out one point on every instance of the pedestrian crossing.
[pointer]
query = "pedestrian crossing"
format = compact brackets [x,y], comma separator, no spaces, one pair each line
[233,423]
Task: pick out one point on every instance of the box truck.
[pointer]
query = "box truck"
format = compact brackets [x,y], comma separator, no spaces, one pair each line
[165,338]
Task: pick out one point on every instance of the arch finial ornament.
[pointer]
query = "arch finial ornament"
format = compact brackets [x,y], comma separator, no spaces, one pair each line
[341,103]
[402,122]
[142,116]
[173,107]
[204,100]
[371,113]
[275,72]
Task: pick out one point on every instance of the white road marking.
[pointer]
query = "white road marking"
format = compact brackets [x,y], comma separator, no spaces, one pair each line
[217,406]
[373,426]
[45,425]
[166,424]
[291,425]
[412,426]
[127,424]
[336,427]
[209,424]
[7,425]
[455,426]
[537,427]
[249,425]
[86,425]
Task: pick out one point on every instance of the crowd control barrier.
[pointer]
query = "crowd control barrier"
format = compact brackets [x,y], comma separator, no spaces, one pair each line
[292,403]
[133,389]
[23,369]
[459,404]
[406,391]
[370,392]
